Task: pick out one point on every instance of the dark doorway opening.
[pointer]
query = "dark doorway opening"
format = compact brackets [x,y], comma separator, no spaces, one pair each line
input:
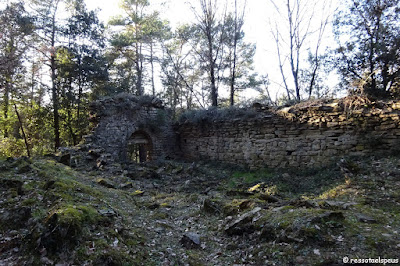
[140,147]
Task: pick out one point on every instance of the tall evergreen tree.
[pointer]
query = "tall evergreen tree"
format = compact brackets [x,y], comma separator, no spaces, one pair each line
[81,66]
[368,33]
[210,43]
[48,28]
[16,27]
[239,55]
[133,47]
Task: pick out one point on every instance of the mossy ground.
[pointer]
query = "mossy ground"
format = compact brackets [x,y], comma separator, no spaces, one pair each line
[68,217]
[51,214]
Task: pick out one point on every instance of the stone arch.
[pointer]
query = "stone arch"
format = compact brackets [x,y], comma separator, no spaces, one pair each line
[140,147]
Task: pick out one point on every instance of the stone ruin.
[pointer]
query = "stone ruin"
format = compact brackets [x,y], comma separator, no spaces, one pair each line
[139,129]
[129,128]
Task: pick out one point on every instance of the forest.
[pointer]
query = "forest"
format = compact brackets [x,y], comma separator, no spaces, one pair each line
[56,56]
[322,181]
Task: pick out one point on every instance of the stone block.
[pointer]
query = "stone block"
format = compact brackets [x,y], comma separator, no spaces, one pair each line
[316,146]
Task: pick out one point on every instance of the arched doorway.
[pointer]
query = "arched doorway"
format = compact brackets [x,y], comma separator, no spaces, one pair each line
[139,147]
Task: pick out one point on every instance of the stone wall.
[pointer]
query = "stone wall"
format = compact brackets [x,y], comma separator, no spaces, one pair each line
[310,135]
[116,119]
[292,137]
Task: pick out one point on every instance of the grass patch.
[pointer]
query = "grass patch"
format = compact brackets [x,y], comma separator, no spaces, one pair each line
[307,182]
[240,178]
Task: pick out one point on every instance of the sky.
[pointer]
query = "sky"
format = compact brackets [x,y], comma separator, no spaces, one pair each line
[179,12]
[260,15]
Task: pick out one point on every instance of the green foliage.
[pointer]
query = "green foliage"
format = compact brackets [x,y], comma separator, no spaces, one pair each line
[9,125]
[16,30]
[11,147]
[191,55]
[239,58]
[80,69]
[37,123]
[368,56]
[142,28]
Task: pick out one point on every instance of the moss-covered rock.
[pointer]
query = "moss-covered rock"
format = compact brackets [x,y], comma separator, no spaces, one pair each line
[63,227]
[237,205]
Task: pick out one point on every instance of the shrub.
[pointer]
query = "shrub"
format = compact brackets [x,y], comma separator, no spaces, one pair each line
[12,147]
[215,114]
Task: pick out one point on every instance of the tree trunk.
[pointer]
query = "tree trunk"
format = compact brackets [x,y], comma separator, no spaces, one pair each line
[152,69]
[78,110]
[372,65]
[6,99]
[214,92]
[32,85]
[56,123]
[313,76]
[23,131]
[235,40]
[139,57]
[139,69]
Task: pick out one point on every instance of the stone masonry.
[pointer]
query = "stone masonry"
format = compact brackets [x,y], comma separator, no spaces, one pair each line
[309,136]
[119,118]
[305,137]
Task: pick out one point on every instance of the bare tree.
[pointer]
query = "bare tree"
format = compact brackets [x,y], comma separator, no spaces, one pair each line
[300,17]
[277,38]
[316,56]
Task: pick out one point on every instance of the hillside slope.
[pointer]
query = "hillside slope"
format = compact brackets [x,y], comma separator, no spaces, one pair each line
[198,214]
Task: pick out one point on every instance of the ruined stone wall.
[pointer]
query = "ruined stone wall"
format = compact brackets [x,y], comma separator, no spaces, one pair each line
[309,136]
[117,118]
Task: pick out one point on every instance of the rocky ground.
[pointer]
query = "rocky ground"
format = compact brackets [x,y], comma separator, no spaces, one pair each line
[173,213]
